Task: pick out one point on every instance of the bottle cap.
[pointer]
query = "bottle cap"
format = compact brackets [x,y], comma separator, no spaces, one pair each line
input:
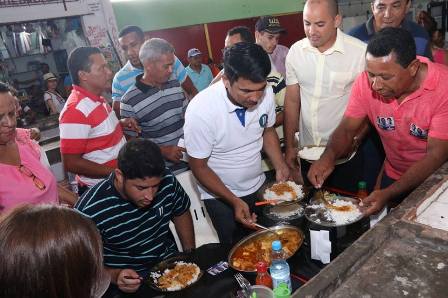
[262,267]
[282,291]
[276,245]
[362,185]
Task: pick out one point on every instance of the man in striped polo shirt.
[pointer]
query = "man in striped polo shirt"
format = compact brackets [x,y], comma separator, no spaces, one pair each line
[157,102]
[90,133]
[131,39]
[132,209]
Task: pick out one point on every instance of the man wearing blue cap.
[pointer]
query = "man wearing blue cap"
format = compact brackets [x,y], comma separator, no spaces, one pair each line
[200,74]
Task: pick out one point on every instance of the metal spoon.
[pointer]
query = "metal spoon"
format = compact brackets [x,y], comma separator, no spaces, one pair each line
[266,229]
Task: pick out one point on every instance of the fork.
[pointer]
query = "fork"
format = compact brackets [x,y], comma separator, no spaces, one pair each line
[321,197]
[244,284]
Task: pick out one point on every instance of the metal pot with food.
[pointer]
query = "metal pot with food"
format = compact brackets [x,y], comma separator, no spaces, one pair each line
[333,210]
[257,247]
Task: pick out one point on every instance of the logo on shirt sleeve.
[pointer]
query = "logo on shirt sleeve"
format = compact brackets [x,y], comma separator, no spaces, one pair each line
[418,132]
[385,123]
[263,120]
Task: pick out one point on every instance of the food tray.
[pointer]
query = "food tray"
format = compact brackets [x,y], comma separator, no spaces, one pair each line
[317,214]
[262,233]
[170,264]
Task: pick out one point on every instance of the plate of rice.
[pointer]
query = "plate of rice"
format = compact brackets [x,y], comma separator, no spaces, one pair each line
[313,153]
[284,191]
[336,211]
[174,274]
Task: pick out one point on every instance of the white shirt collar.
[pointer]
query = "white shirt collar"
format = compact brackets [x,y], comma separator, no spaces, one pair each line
[338,45]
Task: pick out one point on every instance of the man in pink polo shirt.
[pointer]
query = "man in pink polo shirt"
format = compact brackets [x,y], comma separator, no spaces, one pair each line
[405,98]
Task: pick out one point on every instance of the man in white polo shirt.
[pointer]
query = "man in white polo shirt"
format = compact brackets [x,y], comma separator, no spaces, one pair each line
[320,70]
[226,126]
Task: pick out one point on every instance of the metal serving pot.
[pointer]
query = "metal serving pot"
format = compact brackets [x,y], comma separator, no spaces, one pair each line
[257,234]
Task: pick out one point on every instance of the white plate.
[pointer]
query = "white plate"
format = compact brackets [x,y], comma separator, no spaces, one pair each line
[170,264]
[338,161]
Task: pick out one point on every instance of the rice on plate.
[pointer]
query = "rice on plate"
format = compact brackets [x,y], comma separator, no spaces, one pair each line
[182,275]
[338,211]
[284,191]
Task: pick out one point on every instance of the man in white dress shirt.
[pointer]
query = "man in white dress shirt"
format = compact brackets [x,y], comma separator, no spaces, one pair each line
[320,70]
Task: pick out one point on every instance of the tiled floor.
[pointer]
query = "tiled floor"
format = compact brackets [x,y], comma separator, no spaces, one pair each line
[436,213]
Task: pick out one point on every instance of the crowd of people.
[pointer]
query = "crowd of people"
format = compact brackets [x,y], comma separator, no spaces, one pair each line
[373,90]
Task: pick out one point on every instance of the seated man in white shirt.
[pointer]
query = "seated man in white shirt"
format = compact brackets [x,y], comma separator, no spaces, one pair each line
[226,126]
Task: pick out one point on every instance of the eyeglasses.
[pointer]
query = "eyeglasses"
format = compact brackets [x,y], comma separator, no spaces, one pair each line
[27,172]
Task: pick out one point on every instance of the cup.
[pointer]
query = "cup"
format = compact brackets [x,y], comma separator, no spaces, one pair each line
[282,291]
[261,292]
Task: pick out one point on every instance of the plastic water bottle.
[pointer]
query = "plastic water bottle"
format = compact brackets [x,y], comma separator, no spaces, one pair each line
[279,267]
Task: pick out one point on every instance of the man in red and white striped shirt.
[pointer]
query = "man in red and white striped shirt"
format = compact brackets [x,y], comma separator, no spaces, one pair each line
[90,133]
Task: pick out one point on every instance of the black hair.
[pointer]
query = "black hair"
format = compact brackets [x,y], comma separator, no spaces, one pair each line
[140,158]
[79,59]
[4,88]
[246,60]
[397,40]
[244,32]
[129,29]
[427,21]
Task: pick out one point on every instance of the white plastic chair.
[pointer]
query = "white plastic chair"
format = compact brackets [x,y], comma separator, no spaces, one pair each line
[203,227]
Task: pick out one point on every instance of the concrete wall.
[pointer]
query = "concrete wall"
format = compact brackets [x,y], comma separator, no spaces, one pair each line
[160,14]
[153,15]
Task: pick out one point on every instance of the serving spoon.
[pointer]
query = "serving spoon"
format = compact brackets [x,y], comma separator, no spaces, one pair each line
[266,229]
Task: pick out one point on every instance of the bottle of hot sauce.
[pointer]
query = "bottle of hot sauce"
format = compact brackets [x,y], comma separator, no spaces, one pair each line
[362,190]
[263,278]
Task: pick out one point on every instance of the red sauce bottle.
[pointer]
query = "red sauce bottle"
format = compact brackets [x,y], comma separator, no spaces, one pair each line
[362,190]
[263,277]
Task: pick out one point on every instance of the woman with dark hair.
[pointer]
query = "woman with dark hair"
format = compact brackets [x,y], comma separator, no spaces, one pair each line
[24,178]
[52,252]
